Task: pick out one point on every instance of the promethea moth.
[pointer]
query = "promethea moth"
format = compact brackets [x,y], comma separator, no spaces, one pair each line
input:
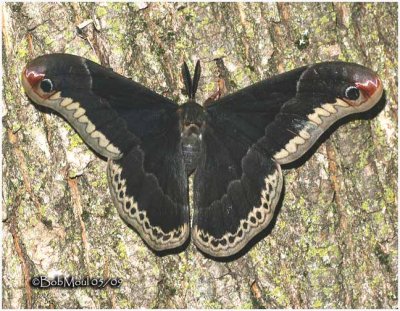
[233,146]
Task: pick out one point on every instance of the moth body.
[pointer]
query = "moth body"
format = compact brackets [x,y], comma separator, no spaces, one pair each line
[192,117]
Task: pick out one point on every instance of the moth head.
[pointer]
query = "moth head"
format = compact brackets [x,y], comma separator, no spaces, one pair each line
[191,116]
[354,84]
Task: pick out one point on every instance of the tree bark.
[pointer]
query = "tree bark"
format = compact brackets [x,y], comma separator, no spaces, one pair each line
[334,242]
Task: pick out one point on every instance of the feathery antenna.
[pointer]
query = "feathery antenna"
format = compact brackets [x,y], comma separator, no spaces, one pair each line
[191,85]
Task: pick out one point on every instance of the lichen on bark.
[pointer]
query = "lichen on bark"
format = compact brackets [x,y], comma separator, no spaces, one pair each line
[334,243]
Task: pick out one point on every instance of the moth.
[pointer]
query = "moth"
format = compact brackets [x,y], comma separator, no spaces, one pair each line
[234,146]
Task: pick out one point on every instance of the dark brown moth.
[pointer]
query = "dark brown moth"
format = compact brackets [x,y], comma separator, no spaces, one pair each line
[234,146]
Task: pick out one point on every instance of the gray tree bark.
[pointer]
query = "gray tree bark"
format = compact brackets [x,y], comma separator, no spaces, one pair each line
[334,243]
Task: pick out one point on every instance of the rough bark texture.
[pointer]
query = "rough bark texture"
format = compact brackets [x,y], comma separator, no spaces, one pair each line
[334,243]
